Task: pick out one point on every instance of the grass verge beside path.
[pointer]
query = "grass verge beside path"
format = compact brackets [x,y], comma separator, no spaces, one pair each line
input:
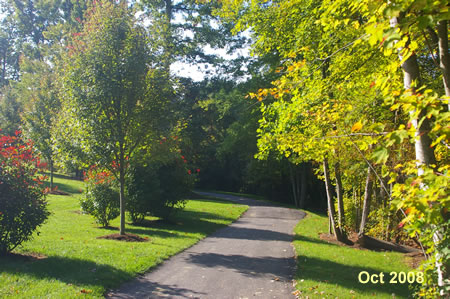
[326,270]
[71,262]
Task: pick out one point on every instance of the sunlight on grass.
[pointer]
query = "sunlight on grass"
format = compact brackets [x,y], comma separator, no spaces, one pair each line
[327,270]
[73,262]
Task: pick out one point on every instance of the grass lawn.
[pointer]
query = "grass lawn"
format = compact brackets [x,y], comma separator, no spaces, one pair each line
[74,263]
[326,270]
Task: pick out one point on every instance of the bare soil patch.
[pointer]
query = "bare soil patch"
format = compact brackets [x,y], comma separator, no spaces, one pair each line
[125,238]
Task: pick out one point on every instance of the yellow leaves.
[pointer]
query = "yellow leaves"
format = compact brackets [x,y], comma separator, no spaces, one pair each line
[262,93]
[356,127]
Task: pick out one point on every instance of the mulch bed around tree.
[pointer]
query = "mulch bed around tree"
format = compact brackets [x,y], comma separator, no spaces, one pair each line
[125,238]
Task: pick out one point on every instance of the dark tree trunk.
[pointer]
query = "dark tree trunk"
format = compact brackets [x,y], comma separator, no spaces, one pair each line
[122,191]
[444,56]
[331,211]
[303,185]
[293,183]
[366,204]
[339,191]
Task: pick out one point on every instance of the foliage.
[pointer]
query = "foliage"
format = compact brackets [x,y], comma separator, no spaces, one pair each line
[341,93]
[38,91]
[160,184]
[10,110]
[113,101]
[10,45]
[100,198]
[23,207]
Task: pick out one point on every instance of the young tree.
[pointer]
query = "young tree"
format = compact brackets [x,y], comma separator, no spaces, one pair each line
[37,91]
[110,94]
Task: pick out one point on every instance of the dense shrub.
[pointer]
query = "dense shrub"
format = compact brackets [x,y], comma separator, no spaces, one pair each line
[22,200]
[159,186]
[101,198]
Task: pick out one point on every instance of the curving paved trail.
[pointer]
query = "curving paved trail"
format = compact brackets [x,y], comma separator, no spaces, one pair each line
[252,257]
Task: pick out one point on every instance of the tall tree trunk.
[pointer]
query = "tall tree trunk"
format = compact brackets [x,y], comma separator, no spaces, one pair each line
[424,151]
[366,204]
[339,191]
[444,56]
[168,37]
[331,211]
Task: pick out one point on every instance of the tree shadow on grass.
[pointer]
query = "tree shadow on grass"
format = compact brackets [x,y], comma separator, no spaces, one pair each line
[69,270]
[313,240]
[65,187]
[222,198]
[333,273]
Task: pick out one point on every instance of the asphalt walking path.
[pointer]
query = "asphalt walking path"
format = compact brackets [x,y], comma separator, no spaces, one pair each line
[252,257]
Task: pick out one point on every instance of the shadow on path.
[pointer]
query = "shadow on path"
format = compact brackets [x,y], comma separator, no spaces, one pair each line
[249,266]
[148,289]
[235,232]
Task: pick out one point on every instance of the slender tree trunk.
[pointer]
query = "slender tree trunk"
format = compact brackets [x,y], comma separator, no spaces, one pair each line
[355,202]
[366,204]
[339,191]
[3,79]
[294,190]
[303,185]
[336,230]
[122,191]
[444,63]
[330,229]
[51,173]
[444,56]
[168,37]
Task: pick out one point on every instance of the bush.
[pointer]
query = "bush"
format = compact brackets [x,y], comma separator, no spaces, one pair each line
[160,186]
[23,206]
[101,198]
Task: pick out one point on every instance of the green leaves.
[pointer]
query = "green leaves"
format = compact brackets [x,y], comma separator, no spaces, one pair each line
[380,155]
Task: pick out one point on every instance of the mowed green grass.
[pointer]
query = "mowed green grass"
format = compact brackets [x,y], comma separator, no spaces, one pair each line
[326,270]
[74,263]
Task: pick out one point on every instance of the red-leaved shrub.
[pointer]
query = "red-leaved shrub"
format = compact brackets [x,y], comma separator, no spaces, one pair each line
[22,200]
